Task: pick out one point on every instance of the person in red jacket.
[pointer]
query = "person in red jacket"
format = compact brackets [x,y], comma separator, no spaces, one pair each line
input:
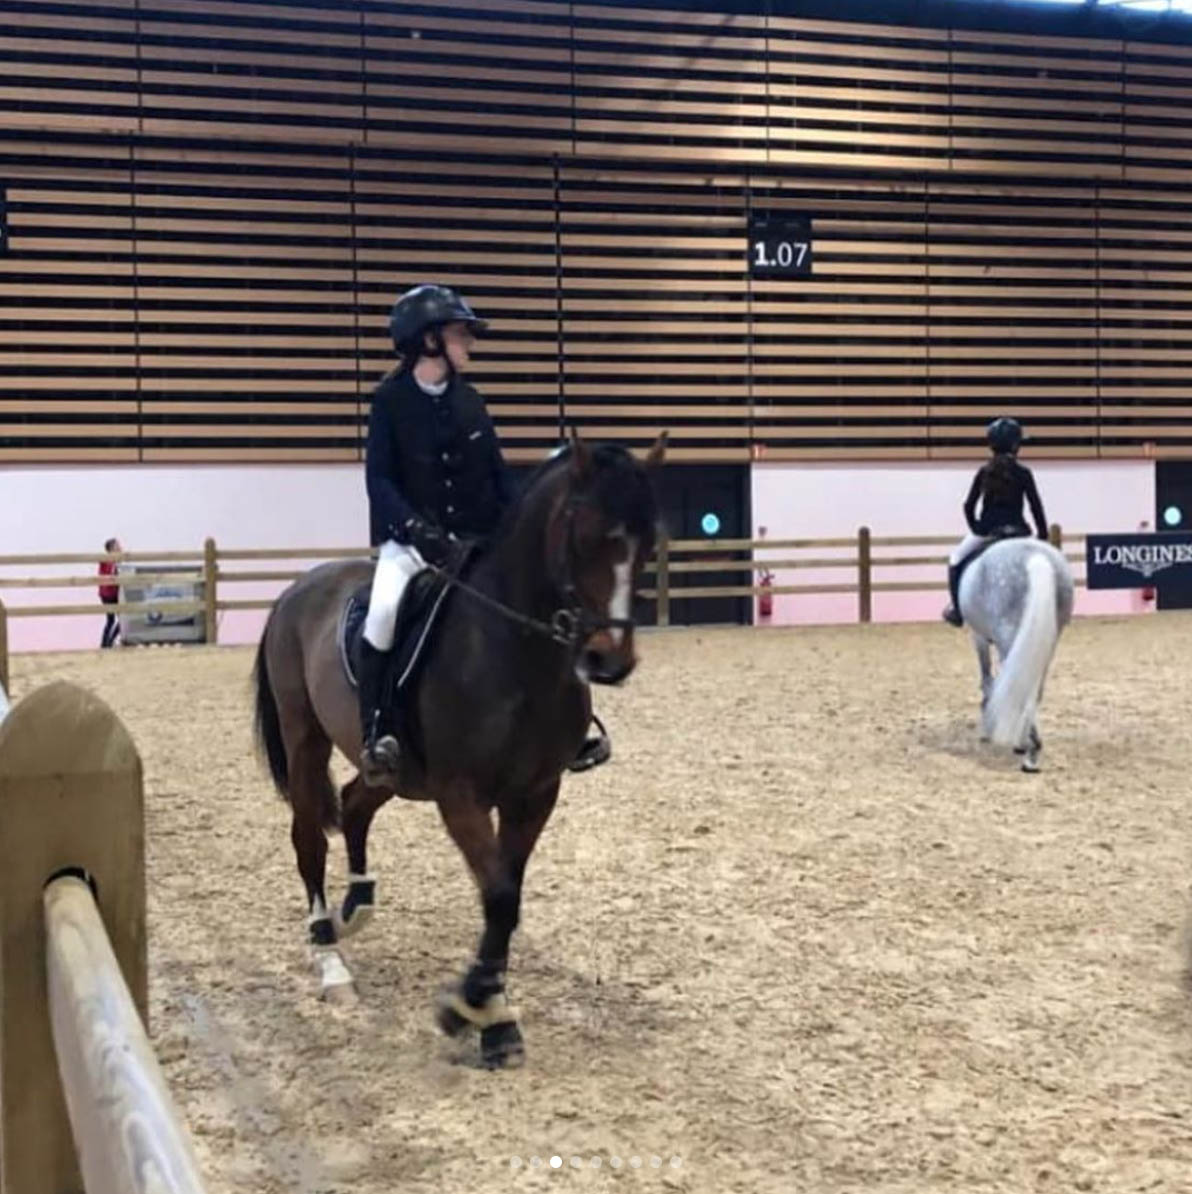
[109,594]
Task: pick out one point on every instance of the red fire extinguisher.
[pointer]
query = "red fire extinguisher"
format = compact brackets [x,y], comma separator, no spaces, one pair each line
[1148,592]
[765,600]
[765,580]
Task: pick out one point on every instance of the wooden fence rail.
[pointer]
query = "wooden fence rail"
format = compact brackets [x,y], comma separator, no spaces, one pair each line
[83,1103]
[863,560]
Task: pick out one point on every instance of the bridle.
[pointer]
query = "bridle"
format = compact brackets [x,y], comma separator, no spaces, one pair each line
[572,623]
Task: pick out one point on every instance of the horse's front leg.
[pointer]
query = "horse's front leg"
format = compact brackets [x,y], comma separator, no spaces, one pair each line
[359,803]
[498,862]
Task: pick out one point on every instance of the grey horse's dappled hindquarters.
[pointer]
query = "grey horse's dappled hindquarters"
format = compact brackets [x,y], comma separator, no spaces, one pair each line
[1016,597]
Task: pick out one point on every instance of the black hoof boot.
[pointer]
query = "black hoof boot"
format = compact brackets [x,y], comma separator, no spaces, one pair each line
[450,1022]
[502,1046]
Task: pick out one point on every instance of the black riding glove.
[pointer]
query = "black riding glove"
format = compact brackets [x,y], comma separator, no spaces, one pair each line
[434,545]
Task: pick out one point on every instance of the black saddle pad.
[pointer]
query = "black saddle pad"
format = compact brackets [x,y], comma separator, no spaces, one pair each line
[417,617]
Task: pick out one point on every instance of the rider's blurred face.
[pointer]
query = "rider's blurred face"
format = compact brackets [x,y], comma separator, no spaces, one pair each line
[458,339]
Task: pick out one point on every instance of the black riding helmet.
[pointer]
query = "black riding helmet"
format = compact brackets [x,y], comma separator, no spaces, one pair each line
[1004,434]
[424,308]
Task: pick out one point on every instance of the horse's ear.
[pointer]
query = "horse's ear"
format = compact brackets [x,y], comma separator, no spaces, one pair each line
[581,457]
[657,454]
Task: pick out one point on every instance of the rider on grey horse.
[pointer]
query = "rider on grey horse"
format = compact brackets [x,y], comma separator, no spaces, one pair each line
[435,476]
[1001,485]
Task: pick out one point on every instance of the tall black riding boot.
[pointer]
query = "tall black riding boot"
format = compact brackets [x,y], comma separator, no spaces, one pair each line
[952,613]
[379,758]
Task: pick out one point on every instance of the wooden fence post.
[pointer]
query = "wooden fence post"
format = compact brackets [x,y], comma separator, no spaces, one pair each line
[4,649]
[1057,536]
[70,800]
[864,576]
[210,570]
[662,578]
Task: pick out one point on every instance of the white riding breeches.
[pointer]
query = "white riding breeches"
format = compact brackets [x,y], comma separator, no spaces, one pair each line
[397,565]
[965,548]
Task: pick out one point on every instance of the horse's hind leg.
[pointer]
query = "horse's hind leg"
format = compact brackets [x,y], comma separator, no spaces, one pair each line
[359,803]
[985,662]
[1034,745]
[312,800]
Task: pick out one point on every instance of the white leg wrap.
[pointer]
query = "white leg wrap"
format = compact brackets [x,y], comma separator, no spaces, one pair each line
[396,566]
[332,971]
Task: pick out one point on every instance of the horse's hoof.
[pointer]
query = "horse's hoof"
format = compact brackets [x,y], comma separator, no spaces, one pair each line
[450,1022]
[340,995]
[1030,766]
[502,1046]
[335,979]
[357,908]
[359,916]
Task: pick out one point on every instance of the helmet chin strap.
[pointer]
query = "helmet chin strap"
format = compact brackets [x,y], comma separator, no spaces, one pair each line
[439,349]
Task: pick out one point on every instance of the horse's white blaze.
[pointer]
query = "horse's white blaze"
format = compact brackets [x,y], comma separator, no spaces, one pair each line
[622,598]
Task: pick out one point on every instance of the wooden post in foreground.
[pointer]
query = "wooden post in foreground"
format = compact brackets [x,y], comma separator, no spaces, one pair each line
[210,568]
[864,576]
[71,803]
[127,1134]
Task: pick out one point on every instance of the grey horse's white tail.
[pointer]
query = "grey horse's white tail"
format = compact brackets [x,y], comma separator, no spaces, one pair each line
[1010,710]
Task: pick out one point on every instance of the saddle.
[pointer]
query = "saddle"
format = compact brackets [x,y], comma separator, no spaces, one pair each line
[418,618]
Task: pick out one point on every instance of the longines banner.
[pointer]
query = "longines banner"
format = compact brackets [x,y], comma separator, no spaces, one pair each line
[1134,561]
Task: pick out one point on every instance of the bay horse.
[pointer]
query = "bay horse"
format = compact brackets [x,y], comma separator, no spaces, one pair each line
[1017,595]
[502,705]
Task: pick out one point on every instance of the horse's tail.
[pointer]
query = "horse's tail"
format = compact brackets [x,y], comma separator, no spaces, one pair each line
[267,721]
[1010,711]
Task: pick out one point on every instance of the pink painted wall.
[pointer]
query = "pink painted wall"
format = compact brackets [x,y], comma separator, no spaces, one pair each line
[804,501]
[163,508]
[74,509]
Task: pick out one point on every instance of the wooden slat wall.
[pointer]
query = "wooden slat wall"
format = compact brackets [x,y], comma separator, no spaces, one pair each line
[211,204]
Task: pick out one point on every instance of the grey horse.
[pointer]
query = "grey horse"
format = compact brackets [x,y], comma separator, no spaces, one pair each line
[1017,597]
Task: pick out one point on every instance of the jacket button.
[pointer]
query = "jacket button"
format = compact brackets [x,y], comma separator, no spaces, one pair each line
[450,509]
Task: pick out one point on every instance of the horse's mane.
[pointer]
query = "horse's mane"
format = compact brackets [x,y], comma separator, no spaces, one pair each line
[629,504]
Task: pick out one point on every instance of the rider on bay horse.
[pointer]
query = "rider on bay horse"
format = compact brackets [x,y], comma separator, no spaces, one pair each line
[1001,484]
[435,476]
